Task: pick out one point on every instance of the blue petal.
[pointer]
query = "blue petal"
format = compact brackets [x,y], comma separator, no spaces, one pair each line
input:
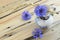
[35,37]
[38,30]
[41,35]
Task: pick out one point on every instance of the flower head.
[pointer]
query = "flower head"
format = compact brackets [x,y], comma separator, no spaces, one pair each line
[37,33]
[41,10]
[26,15]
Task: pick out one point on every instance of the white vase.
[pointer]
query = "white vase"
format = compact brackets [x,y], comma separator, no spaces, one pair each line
[44,23]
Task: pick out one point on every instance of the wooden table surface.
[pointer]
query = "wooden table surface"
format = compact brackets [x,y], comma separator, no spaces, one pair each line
[10,25]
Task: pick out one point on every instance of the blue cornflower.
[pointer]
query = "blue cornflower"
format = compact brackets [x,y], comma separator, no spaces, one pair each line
[26,15]
[41,10]
[37,33]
